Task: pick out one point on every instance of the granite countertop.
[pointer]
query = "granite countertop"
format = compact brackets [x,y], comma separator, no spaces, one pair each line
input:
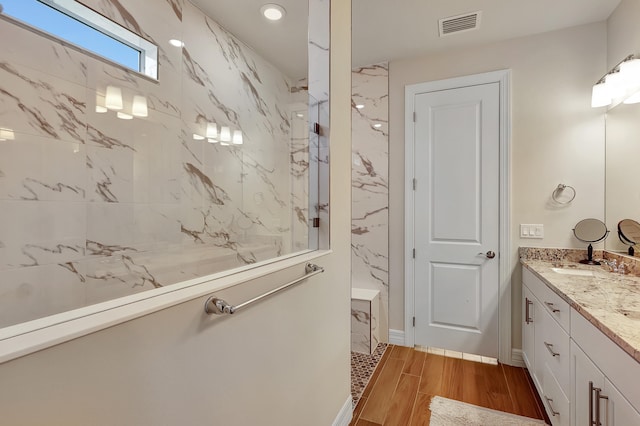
[609,301]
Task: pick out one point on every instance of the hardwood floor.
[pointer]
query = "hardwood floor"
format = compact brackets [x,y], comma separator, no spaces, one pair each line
[401,388]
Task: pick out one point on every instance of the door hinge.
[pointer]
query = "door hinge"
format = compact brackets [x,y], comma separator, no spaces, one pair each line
[414,116]
[414,253]
[415,183]
[316,222]
[316,128]
[414,321]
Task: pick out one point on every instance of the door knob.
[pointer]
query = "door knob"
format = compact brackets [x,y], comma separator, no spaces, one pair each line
[488,254]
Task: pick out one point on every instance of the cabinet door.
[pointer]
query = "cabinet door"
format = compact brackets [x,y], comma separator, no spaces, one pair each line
[616,409]
[529,304]
[584,377]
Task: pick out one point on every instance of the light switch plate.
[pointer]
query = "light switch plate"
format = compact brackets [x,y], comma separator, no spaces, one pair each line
[531,231]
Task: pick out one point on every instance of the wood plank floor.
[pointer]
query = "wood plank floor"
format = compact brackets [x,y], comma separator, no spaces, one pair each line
[401,388]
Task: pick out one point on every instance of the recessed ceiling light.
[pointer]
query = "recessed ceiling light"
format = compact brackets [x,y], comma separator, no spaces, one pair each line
[359,106]
[176,43]
[273,12]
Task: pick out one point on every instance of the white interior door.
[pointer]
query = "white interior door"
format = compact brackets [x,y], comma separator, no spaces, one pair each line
[456,215]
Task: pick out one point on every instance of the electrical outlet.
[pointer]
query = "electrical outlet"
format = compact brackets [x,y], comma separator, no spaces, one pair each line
[531,231]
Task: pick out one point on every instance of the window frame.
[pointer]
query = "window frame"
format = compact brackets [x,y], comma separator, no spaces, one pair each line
[148,62]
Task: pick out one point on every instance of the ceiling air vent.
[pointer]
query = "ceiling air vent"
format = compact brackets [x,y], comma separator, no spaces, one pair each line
[460,23]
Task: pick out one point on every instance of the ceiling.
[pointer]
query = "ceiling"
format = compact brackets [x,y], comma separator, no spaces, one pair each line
[385,30]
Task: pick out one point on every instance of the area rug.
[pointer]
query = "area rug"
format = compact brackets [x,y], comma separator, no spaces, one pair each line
[447,412]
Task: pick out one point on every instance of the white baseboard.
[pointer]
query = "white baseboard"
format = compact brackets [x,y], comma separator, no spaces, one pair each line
[346,413]
[396,337]
[516,358]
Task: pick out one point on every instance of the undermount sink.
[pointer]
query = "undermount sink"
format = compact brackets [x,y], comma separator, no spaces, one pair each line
[570,271]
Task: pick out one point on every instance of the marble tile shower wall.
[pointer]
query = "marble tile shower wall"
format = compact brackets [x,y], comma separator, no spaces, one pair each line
[93,207]
[370,189]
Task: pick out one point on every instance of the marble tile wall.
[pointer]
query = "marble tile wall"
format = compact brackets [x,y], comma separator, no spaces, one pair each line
[93,207]
[365,315]
[370,189]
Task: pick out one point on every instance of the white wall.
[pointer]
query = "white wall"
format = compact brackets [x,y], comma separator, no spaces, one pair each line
[556,138]
[282,362]
[623,32]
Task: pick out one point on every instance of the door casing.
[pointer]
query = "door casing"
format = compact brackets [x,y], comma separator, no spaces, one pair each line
[503,78]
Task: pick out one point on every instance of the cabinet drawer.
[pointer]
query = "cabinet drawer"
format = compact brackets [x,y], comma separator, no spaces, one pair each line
[553,349]
[549,300]
[555,401]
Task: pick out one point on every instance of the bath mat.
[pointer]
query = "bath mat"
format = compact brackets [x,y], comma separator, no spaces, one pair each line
[447,412]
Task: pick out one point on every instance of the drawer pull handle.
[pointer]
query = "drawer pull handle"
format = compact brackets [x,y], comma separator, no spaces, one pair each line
[527,317]
[591,389]
[599,396]
[552,307]
[550,349]
[553,411]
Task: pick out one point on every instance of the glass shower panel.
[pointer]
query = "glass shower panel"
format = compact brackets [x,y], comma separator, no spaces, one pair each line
[113,184]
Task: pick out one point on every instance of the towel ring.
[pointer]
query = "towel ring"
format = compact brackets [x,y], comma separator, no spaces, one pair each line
[559,190]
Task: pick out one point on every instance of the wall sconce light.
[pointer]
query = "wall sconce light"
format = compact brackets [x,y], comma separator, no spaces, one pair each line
[633,99]
[600,96]
[225,134]
[620,84]
[100,101]
[139,107]
[113,98]
[631,72]
[6,135]
[237,137]
[212,132]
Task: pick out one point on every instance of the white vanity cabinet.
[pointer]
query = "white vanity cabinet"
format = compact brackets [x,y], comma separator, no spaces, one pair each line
[582,376]
[546,346]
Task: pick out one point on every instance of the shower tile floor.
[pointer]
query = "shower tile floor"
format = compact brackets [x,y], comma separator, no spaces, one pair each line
[362,368]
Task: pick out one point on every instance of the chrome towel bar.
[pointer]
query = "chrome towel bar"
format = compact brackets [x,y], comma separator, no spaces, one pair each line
[217,306]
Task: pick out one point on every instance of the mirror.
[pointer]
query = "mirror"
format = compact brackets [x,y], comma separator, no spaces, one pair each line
[629,234]
[590,231]
[622,193]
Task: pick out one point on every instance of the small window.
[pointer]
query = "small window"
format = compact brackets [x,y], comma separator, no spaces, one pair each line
[75,23]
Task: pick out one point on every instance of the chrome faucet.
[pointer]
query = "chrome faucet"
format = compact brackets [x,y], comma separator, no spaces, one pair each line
[622,268]
[615,267]
[612,264]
